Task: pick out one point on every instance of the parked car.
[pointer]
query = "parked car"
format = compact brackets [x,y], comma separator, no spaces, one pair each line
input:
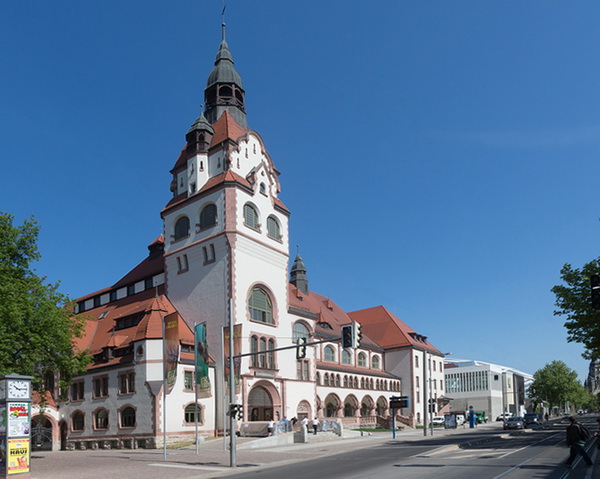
[516,422]
[532,418]
[504,416]
[437,420]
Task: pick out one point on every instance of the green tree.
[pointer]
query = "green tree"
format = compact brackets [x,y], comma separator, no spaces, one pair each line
[37,327]
[573,300]
[555,384]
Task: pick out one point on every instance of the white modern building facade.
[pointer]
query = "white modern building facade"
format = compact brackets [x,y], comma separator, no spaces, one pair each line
[486,387]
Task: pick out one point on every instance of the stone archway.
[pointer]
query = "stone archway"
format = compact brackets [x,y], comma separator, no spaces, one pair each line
[333,406]
[381,407]
[303,410]
[350,406]
[41,433]
[367,407]
[264,402]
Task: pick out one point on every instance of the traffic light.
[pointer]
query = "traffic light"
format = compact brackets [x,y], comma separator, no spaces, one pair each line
[347,336]
[357,334]
[236,411]
[595,284]
[301,349]
[431,405]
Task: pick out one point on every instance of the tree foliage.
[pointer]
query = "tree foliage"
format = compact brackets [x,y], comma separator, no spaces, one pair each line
[573,300]
[37,329]
[556,384]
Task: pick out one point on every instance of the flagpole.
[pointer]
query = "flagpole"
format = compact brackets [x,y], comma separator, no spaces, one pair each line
[164,390]
[223,389]
[195,384]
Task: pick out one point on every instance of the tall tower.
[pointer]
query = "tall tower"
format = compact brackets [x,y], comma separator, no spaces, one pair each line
[226,232]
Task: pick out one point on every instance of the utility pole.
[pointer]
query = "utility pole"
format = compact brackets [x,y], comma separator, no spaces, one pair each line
[425,398]
[232,451]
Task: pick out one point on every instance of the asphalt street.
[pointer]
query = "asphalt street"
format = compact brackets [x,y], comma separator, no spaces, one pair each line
[484,452]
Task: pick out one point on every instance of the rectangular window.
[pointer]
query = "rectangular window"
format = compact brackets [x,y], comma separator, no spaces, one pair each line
[416,361]
[127,383]
[188,380]
[77,391]
[100,387]
[302,370]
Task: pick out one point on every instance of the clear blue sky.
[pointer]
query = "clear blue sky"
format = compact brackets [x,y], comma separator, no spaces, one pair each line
[439,158]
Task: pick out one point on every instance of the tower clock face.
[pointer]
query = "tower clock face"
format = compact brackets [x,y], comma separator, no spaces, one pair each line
[18,389]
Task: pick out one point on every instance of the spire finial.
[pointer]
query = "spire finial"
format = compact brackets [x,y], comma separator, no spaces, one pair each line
[223,21]
[297,250]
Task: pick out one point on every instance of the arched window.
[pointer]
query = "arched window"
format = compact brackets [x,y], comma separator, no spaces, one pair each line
[318,379]
[337,380]
[77,421]
[251,216]
[128,417]
[329,353]
[362,383]
[273,228]
[375,362]
[189,414]
[260,306]
[182,228]
[362,360]
[208,216]
[101,419]
[346,357]
[326,380]
[300,331]
[348,410]
[345,381]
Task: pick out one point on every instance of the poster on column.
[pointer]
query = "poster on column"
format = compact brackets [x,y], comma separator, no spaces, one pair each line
[18,419]
[18,456]
[171,349]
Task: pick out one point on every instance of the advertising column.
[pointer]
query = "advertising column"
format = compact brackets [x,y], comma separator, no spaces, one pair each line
[15,426]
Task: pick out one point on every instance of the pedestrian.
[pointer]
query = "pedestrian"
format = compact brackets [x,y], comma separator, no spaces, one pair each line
[270,427]
[597,434]
[304,423]
[315,425]
[577,435]
[546,416]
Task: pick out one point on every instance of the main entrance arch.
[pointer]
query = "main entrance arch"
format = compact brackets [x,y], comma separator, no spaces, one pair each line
[264,402]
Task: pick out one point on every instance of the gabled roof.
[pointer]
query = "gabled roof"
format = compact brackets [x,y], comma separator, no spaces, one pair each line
[390,332]
[328,315]
[101,328]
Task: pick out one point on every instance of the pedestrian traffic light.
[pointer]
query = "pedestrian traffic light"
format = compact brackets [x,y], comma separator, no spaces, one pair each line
[236,411]
[595,285]
[347,336]
[356,333]
[301,349]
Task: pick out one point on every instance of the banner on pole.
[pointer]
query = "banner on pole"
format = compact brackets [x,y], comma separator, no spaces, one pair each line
[202,379]
[171,349]
[237,349]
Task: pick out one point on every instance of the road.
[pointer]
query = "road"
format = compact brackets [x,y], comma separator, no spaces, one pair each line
[528,454]
[483,453]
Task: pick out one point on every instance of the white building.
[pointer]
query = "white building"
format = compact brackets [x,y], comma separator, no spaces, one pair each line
[486,387]
[224,256]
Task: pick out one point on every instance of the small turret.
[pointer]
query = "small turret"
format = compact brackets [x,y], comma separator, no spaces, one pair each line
[298,275]
[199,136]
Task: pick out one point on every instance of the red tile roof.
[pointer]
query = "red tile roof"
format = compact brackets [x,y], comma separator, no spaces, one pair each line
[388,331]
[326,311]
[102,332]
